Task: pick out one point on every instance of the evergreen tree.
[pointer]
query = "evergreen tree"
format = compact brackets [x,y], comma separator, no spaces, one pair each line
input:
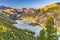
[42,35]
[50,33]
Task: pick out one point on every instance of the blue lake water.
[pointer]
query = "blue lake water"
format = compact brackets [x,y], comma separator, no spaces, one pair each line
[24,24]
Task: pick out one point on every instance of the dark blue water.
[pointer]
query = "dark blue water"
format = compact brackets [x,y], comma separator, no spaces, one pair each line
[23,24]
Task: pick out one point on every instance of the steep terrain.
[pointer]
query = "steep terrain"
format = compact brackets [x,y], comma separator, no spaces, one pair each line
[39,15]
[50,10]
[10,32]
[9,15]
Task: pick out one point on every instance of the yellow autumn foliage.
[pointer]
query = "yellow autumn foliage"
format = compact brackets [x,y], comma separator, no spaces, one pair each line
[3,28]
[50,6]
[53,5]
[8,11]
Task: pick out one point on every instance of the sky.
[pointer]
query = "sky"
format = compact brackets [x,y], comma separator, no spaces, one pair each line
[27,3]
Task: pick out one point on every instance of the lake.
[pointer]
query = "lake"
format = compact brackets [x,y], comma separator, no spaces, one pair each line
[24,24]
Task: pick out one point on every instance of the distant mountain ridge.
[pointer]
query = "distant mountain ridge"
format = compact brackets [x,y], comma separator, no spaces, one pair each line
[4,7]
[39,14]
[8,14]
[58,3]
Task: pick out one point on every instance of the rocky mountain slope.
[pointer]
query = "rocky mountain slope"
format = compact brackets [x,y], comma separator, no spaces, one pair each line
[50,10]
[37,15]
[10,32]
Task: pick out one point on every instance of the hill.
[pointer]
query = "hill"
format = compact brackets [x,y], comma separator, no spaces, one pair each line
[49,10]
[9,15]
[10,32]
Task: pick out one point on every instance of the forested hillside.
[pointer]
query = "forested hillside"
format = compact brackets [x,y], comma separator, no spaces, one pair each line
[9,15]
[10,32]
[50,10]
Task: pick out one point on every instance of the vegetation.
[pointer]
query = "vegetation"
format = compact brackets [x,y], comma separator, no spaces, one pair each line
[50,33]
[10,32]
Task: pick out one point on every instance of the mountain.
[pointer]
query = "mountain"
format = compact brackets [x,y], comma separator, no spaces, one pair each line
[16,13]
[49,10]
[10,32]
[39,14]
[57,3]
[7,30]
[3,7]
[9,15]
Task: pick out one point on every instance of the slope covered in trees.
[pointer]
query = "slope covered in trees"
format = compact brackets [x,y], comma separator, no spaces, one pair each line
[50,10]
[50,33]
[10,32]
[9,15]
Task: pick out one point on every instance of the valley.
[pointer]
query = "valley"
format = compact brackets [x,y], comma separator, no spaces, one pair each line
[10,29]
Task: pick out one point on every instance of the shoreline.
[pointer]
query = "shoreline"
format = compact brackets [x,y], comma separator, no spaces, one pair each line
[33,20]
